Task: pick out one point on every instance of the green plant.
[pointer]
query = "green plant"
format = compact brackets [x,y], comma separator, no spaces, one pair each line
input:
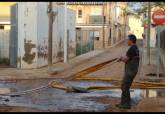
[4,61]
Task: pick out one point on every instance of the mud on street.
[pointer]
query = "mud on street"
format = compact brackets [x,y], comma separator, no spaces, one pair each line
[51,99]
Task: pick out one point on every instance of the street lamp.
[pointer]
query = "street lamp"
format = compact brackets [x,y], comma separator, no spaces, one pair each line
[65,35]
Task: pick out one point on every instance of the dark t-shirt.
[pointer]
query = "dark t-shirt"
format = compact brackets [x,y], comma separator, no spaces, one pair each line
[132,52]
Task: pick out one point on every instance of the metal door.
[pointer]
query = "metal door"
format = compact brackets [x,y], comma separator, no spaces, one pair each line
[13,36]
[91,40]
[78,42]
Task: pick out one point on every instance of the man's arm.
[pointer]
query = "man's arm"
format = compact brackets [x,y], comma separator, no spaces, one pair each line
[130,54]
[123,59]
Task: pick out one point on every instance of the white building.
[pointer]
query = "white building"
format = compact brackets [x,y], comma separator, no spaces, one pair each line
[29,47]
[4,36]
[135,25]
[162,45]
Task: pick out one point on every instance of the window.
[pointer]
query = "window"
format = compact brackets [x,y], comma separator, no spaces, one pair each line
[97,38]
[97,19]
[96,10]
[110,34]
[97,35]
[145,14]
[2,27]
[80,13]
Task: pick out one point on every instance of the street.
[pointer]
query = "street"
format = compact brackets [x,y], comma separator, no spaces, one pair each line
[53,99]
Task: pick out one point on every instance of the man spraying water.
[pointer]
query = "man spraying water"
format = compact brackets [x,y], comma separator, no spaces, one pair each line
[131,61]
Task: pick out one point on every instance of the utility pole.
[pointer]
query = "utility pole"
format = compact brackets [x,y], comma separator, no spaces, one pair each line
[125,23]
[158,50]
[51,16]
[113,17]
[103,27]
[148,32]
[65,35]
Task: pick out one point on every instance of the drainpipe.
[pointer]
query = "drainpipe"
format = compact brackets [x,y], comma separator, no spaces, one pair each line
[65,35]
[103,28]
[116,26]
[112,24]
[126,24]
[158,50]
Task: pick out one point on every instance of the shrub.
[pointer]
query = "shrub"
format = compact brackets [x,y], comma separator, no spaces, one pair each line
[4,61]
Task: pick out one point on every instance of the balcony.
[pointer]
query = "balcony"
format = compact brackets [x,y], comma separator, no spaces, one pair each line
[85,3]
[97,19]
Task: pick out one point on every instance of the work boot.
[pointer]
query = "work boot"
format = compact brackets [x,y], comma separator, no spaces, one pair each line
[124,106]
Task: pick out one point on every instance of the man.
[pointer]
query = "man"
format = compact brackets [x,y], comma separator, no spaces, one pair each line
[131,61]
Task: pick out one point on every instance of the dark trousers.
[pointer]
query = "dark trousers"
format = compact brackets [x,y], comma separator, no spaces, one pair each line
[131,69]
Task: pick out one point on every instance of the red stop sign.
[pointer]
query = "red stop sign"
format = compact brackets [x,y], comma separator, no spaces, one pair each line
[158,17]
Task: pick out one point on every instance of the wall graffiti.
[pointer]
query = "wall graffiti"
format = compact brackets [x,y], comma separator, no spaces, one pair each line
[71,47]
[29,56]
[19,61]
[60,52]
[71,50]
[43,50]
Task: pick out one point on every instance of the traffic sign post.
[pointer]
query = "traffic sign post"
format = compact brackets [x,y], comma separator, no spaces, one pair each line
[145,26]
[158,50]
[159,19]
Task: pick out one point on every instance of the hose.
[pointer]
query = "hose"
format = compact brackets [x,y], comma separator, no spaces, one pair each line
[25,92]
[117,87]
[91,69]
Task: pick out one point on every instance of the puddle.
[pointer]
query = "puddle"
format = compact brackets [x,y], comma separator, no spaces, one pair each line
[58,100]
[153,93]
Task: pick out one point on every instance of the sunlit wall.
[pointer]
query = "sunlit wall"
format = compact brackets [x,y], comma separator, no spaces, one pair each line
[5,8]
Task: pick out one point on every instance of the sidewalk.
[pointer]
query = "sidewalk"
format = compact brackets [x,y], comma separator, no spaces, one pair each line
[14,73]
[152,68]
[116,71]
[61,66]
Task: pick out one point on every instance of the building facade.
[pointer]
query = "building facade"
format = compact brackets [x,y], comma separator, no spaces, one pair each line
[119,22]
[4,37]
[4,30]
[29,34]
[5,15]
[135,25]
[153,31]
[103,24]
[153,36]
[162,45]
